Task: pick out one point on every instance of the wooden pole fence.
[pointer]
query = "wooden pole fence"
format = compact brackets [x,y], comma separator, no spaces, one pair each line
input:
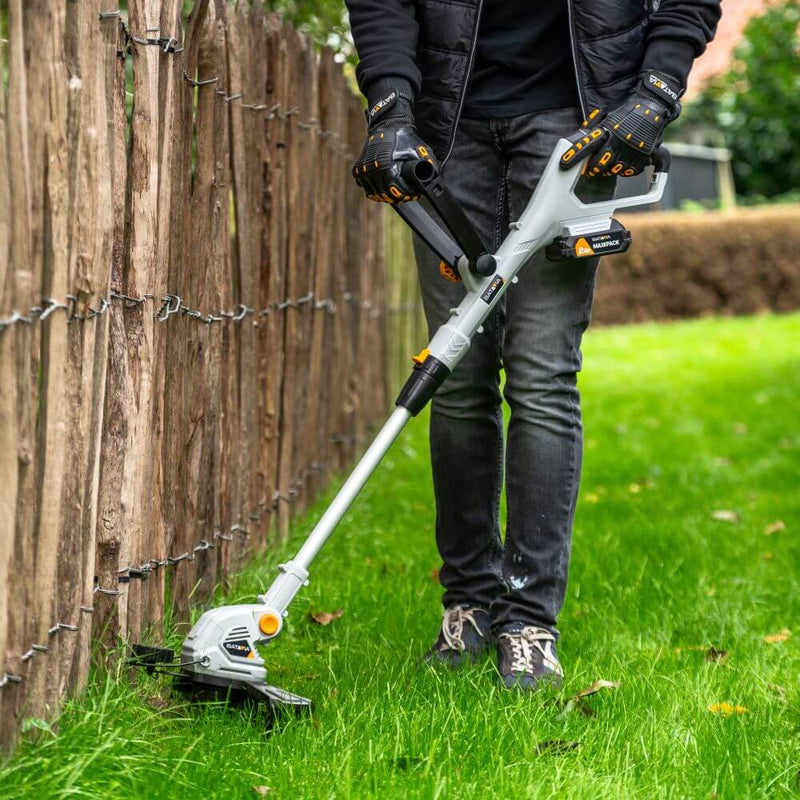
[200,315]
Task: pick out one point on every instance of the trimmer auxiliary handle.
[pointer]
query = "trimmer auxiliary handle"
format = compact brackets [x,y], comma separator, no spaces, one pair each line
[465,241]
[221,648]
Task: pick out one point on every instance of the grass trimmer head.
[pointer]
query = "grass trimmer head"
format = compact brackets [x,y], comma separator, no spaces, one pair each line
[219,660]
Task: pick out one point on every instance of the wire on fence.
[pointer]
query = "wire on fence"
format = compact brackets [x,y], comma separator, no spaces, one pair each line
[173,305]
[171,45]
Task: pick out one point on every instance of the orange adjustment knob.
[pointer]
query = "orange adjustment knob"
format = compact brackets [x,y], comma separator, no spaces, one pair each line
[420,357]
[448,273]
[269,624]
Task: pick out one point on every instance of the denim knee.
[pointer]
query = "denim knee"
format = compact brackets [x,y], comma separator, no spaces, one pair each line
[548,401]
[468,394]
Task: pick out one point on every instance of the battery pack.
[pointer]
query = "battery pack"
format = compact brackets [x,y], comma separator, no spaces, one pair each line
[617,239]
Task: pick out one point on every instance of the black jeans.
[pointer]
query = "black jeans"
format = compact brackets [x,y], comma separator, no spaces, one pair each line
[535,336]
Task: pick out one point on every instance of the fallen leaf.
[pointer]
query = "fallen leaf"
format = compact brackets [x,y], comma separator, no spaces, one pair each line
[740,428]
[262,790]
[435,574]
[725,515]
[726,709]
[334,692]
[556,747]
[722,461]
[634,488]
[774,527]
[325,617]
[591,497]
[576,704]
[715,655]
[711,591]
[579,703]
[776,638]
[157,701]
[595,687]
[621,429]
[768,555]
[777,689]
[34,723]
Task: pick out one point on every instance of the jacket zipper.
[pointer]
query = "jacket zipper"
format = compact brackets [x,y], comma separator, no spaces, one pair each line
[466,83]
[472,59]
[584,109]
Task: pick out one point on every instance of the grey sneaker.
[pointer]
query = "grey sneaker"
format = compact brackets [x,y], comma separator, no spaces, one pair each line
[464,635]
[527,659]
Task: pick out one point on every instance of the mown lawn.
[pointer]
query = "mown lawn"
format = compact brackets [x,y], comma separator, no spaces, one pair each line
[682,421]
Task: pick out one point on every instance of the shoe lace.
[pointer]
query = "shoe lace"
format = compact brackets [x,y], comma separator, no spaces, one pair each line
[453,626]
[523,645]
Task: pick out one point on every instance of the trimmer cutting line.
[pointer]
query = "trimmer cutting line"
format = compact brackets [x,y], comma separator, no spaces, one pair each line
[220,654]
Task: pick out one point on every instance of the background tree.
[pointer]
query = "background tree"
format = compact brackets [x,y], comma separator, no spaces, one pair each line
[756,106]
[324,20]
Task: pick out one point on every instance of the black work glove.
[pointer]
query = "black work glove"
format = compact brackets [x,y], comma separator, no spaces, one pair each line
[391,140]
[620,143]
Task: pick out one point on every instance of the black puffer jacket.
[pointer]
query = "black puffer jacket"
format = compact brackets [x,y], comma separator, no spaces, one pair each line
[431,44]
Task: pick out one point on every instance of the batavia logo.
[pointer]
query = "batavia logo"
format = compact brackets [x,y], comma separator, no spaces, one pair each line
[659,84]
[381,104]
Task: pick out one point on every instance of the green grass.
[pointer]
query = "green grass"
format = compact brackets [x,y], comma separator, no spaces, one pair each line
[681,420]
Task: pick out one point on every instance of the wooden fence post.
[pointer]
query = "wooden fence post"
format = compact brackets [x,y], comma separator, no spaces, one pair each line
[90,230]
[109,608]
[8,398]
[324,192]
[275,249]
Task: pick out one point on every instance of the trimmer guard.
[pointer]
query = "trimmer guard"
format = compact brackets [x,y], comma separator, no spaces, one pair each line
[277,700]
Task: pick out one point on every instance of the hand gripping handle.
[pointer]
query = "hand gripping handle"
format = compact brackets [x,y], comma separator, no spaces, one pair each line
[560,189]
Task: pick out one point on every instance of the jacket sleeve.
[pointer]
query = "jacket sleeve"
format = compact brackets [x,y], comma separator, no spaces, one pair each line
[385,34]
[679,32]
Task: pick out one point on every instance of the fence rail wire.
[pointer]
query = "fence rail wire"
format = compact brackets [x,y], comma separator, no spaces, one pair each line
[172,306]
[143,459]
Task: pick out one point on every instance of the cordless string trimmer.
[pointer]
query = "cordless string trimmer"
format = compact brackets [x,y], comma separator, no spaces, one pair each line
[220,651]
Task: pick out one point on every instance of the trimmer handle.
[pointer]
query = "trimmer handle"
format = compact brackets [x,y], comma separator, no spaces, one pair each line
[453,236]
[419,173]
[459,238]
[662,159]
